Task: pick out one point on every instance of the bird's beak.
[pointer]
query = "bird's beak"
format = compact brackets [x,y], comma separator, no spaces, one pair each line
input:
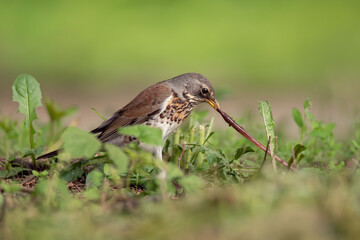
[213,103]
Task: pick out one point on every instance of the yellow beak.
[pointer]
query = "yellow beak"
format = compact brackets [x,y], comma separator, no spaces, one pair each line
[212,103]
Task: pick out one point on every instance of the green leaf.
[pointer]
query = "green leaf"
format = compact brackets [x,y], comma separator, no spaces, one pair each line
[94,179]
[72,172]
[212,158]
[119,158]
[26,91]
[79,143]
[298,149]
[146,134]
[297,118]
[107,170]
[33,152]
[242,150]
[265,111]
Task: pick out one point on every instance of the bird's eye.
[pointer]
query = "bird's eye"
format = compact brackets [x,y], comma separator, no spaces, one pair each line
[204,91]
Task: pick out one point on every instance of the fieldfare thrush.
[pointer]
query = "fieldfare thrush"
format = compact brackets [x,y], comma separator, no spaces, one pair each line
[164,105]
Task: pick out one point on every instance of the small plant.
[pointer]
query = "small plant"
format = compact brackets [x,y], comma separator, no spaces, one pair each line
[212,171]
[317,137]
[26,91]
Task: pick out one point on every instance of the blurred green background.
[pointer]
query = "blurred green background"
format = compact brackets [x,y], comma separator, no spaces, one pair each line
[299,48]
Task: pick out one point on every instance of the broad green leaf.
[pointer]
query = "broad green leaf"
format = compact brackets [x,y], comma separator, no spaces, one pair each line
[265,111]
[94,179]
[298,149]
[26,91]
[297,118]
[212,158]
[146,134]
[72,172]
[242,150]
[119,158]
[79,143]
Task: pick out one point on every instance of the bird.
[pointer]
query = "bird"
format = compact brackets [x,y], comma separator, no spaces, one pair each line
[164,105]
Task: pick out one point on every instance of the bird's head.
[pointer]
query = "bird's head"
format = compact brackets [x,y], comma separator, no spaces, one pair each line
[196,87]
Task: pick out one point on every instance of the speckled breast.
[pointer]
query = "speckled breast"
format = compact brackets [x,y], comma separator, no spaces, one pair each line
[173,115]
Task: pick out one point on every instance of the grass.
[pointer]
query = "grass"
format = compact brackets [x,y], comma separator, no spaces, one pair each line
[220,189]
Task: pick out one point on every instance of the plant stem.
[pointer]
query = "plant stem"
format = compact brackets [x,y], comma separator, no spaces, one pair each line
[191,140]
[201,141]
[176,143]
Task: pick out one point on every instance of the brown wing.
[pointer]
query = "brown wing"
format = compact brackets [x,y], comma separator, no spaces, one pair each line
[145,105]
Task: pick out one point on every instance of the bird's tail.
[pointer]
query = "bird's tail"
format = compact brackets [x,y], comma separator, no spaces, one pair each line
[49,155]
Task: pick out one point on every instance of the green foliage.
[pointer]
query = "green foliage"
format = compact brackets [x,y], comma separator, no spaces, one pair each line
[53,192]
[265,111]
[297,154]
[40,175]
[300,122]
[10,187]
[56,114]
[192,183]
[79,143]
[72,172]
[94,179]
[297,118]
[10,171]
[119,158]
[26,91]
[205,170]
[241,151]
[317,137]
[146,134]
